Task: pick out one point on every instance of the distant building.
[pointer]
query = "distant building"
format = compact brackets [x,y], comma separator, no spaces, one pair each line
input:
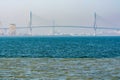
[12,29]
[1,32]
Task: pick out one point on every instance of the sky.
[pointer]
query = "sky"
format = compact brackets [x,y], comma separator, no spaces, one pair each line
[63,12]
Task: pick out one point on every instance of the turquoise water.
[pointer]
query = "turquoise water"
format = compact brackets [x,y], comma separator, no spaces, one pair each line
[60,47]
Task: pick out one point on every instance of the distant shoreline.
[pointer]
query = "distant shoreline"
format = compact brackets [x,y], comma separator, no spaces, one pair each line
[57,36]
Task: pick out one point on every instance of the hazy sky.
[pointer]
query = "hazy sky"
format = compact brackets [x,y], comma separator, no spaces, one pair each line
[64,12]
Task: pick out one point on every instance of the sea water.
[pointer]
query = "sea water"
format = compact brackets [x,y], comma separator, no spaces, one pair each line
[59,58]
[60,47]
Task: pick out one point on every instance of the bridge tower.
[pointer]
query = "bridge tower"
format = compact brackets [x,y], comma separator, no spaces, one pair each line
[30,22]
[95,24]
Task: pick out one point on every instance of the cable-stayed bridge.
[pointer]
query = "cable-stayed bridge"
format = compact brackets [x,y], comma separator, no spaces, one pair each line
[95,26]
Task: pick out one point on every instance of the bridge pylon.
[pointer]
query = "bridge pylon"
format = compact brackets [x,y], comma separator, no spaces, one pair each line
[30,22]
[95,24]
